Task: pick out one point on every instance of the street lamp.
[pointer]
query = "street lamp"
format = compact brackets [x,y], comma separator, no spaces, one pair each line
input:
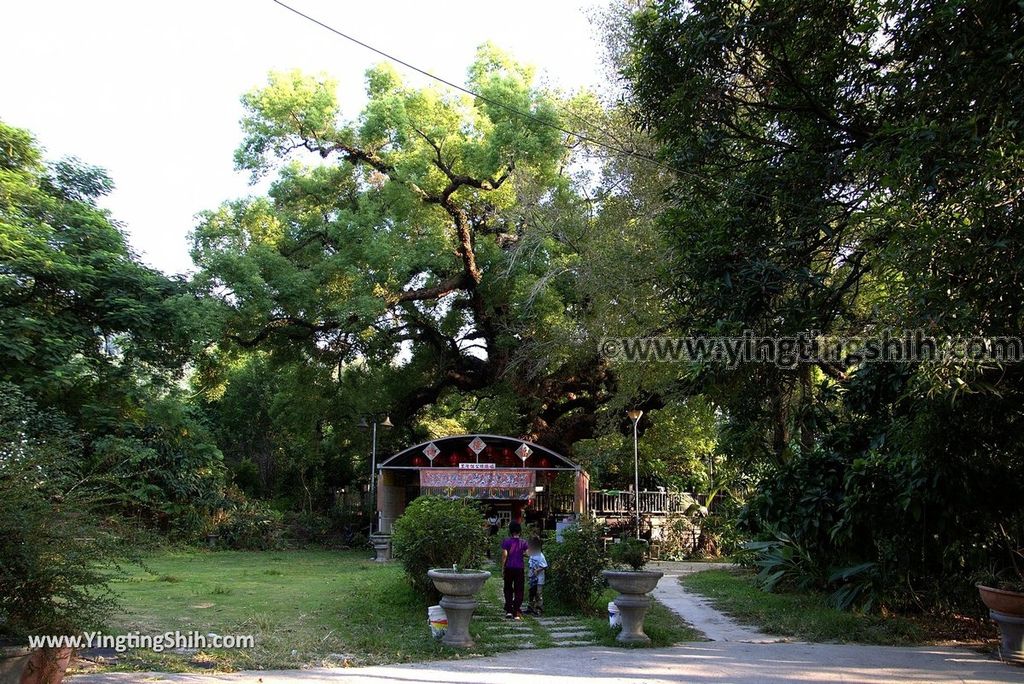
[634,415]
[363,425]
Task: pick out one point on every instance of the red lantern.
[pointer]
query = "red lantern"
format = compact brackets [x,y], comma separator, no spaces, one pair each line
[419,461]
[453,460]
[544,462]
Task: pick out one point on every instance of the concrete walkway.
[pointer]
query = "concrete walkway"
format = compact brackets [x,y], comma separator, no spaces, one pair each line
[701,663]
[697,610]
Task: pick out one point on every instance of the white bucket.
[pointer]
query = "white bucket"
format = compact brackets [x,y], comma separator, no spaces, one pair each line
[438,620]
[614,619]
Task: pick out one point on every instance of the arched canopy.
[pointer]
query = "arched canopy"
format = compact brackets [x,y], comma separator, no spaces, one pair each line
[460,450]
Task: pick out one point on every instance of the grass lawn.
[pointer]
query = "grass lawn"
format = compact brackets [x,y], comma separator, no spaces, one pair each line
[309,608]
[305,608]
[806,616]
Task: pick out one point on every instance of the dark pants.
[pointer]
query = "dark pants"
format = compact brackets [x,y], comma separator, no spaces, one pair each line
[514,581]
[536,599]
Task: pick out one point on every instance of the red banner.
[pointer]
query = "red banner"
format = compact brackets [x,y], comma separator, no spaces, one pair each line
[478,484]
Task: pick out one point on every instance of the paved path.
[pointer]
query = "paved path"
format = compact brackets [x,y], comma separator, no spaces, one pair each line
[697,610]
[531,632]
[701,663]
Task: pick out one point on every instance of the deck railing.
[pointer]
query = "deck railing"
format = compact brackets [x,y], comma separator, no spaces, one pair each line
[614,503]
[653,502]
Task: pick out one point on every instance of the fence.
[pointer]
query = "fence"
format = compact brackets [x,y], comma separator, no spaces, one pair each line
[656,502]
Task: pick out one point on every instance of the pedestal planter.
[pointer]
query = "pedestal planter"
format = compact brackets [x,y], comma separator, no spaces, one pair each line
[458,590]
[381,547]
[38,666]
[1007,609]
[633,601]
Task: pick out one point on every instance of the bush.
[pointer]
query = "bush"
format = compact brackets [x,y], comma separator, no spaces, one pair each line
[244,524]
[55,558]
[438,533]
[311,529]
[575,565]
[631,553]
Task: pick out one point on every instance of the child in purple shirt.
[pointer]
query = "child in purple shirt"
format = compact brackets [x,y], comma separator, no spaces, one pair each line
[513,548]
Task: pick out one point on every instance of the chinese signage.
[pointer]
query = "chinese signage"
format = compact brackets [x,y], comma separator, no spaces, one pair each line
[478,483]
[476,466]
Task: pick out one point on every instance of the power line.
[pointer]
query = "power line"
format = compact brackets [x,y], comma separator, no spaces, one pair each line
[514,110]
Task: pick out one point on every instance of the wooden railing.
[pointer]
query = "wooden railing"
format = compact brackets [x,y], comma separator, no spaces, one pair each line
[656,502]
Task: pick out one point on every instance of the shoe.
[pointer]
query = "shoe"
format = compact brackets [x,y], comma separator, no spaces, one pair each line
[518,618]
[508,616]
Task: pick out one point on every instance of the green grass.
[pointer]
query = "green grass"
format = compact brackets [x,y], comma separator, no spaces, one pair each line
[305,608]
[802,615]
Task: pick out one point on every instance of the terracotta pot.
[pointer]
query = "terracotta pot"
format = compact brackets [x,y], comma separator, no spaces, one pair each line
[1007,609]
[37,666]
[1002,600]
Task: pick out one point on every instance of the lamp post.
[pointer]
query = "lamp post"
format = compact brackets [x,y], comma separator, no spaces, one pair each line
[372,426]
[634,415]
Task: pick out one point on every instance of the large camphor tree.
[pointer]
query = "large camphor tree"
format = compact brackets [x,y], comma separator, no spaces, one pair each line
[402,260]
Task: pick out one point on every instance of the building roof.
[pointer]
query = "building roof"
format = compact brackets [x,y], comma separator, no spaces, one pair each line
[502,451]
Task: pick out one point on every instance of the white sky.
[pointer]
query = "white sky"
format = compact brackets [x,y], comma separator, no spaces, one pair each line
[150,90]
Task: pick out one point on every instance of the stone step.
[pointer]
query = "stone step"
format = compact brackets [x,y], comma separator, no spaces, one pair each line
[569,635]
[561,644]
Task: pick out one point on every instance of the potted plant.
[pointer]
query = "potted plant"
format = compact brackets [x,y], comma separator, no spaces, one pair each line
[458,588]
[1003,595]
[633,586]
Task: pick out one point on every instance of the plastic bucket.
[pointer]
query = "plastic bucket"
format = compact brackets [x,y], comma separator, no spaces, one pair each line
[614,619]
[438,620]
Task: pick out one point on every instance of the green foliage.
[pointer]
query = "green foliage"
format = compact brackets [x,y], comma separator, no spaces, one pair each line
[827,191]
[89,331]
[575,564]
[632,553]
[435,532]
[244,524]
[56,557]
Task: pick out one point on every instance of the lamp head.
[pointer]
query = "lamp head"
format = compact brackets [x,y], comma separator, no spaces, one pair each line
[387,422]
[363,425]
[634,414]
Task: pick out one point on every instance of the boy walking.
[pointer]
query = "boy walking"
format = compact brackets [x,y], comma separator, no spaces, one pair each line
[513,549]
[538,570]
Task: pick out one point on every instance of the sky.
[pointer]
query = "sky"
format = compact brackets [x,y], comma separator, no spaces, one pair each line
[150,91]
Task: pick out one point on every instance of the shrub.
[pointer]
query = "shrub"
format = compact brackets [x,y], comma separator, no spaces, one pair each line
[244,524]
[438,533]
[311,529]
[55,557]
[575,565]
[632,553]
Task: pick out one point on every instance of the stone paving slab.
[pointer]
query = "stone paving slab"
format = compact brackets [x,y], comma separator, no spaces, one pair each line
[699,612]
[702,663]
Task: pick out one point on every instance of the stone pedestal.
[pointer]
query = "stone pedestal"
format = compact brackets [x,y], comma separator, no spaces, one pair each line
[381,547]
[633,602]
[632,611]
[458,590]
[459,610]
[1011,634]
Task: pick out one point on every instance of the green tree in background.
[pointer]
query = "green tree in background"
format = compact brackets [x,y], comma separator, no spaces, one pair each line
[87,330]
[845,168]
